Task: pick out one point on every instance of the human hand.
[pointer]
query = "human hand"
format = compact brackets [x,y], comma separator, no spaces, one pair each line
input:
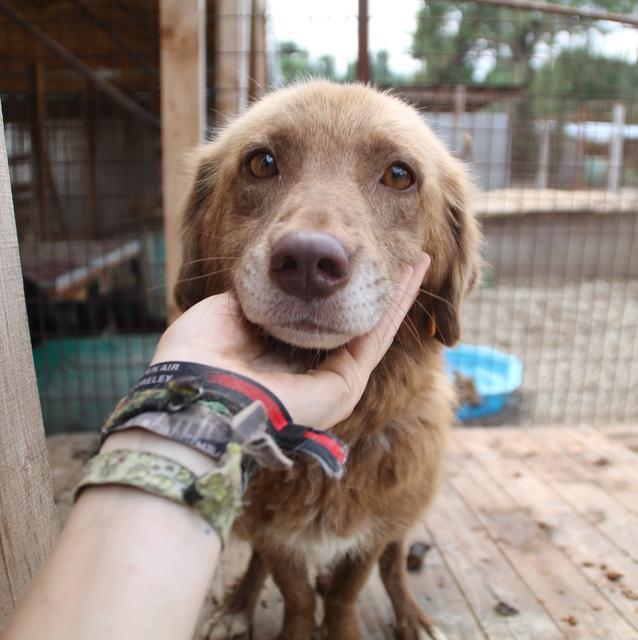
[215,333]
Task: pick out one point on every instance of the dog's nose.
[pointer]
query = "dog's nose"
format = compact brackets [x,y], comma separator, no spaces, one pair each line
[309,264]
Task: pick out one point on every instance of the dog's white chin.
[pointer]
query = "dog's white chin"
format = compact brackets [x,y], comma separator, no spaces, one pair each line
[308,339]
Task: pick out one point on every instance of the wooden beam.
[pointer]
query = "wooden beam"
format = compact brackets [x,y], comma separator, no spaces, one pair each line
[102,85]
[257,76]
[581,12]
[232,56]
[460,99]
[90,132]
[363,62]
[542,173]
[146,19]
[132,53]
[614,176]
[43,187]
[36,131]
[183,99]
[28,525]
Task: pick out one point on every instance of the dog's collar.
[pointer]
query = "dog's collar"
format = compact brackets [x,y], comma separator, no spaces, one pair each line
[431,331]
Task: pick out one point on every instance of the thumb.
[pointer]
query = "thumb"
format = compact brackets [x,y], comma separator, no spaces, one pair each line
[355,362]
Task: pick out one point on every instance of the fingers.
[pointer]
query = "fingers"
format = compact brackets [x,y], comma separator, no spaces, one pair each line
[204,333]
[345,372]
[222,305]
[369,349]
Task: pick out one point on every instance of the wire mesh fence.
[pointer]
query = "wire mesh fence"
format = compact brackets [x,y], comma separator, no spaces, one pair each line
[542,108]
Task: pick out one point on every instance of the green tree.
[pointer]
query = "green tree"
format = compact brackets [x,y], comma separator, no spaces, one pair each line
[579,73]
[380,72]
[579,78]
[451,40]
[325,67]
[295,63]
[451,37]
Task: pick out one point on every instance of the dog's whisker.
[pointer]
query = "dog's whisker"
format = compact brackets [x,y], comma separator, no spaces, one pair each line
[431,317]
[203,275]
[392,305]
[206,234]
[189,262]
[433,295]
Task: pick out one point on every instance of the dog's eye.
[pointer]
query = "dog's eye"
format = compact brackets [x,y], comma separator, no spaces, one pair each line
[262,164]
[397,176]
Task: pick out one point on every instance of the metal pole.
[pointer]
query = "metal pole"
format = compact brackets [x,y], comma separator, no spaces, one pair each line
[542,174]
[459,111]
[614,177]
[363,63]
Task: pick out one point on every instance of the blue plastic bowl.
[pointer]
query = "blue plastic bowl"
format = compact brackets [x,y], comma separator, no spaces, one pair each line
[495,374]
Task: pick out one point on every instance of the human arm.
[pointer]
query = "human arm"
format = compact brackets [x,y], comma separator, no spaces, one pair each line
[130,565]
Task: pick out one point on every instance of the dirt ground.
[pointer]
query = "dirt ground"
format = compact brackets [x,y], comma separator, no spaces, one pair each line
[578,342]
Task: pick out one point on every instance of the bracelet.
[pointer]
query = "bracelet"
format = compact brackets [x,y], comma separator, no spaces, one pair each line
[221,413]
[203,407]
[216,495]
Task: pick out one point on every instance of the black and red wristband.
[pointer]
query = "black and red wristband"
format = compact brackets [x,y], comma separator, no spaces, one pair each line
[173,386]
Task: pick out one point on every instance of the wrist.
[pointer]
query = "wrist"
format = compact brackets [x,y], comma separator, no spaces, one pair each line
[142,440]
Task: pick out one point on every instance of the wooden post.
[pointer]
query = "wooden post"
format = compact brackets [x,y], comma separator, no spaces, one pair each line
[614,176]
[44,185]
[232,56]
[183,98]
[542,175]
[40,154]
[363,61]
[257,76]
[90,131]
[460,94]
[139,59]
[28,525]
[36,128]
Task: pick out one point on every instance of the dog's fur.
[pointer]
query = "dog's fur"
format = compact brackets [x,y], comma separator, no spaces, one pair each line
[332,144]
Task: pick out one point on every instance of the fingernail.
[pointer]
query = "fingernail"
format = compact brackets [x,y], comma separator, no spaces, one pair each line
[424,259]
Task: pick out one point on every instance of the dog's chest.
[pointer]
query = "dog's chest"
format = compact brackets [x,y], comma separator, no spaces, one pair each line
[322,547]
[323,526]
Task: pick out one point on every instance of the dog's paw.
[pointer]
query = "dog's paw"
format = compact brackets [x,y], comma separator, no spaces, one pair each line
[434,633]
[417,626]
[229,626]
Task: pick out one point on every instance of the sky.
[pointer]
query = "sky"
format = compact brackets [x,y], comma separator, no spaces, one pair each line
[330,26]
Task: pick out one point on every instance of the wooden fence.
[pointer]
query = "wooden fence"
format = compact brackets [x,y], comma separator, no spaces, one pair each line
[28,524]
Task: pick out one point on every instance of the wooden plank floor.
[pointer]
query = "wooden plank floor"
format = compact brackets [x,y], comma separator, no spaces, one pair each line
[543,520]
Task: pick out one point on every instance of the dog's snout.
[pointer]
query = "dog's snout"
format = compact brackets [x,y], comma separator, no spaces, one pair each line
[309,264]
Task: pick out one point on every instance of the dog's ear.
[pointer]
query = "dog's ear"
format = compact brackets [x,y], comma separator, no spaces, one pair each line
[458,263]
[200,235]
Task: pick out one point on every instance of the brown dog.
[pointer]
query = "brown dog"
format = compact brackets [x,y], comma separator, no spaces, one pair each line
[308,207]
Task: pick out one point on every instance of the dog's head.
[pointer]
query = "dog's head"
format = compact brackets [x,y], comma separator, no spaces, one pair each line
[311,204]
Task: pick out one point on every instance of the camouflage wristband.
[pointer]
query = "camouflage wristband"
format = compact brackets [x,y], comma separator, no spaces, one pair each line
[203,407]
[216,495]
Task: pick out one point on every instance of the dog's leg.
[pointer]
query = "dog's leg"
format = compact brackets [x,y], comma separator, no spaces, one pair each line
[291,578]
[237,611]
[412,623]
[348,578]
[322,583]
